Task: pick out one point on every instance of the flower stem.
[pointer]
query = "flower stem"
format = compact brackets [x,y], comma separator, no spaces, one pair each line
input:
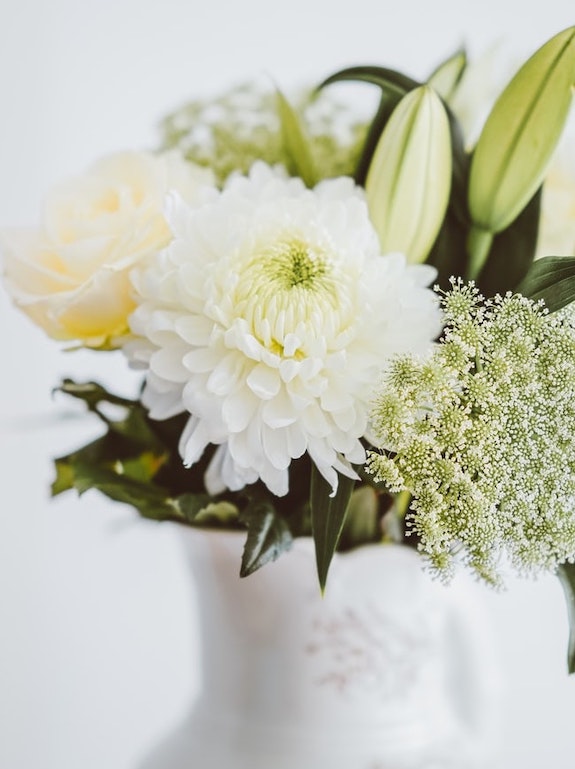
[479,245]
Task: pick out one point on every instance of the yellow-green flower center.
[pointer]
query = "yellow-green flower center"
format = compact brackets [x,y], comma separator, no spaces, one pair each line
[287,286]
[294,263]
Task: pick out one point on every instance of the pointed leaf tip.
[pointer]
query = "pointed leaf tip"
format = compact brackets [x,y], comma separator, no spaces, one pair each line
[327,519]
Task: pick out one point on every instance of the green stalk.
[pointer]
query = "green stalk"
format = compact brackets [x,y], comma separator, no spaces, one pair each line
[479,245]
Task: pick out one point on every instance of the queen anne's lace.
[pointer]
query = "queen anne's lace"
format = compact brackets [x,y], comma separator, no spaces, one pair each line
[481,434]
[269,319]
[231,132]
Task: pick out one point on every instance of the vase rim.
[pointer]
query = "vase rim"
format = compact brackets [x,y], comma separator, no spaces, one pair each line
[302,544]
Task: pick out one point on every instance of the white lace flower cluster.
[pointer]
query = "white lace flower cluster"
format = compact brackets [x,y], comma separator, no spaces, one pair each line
[481,434]
[231,132]
[269,318]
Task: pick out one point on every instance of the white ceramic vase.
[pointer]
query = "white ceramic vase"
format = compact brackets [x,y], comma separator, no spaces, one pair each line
[389,670]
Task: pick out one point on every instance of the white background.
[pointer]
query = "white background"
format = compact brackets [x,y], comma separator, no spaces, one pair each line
[96,639]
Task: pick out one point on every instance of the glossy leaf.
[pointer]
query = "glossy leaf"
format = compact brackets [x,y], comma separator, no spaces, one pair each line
[268,535]
[552,279]
[327,518]
[566,574]
[389,80]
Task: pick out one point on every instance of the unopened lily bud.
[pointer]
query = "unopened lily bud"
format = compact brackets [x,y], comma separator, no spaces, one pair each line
[520,135]
[409,179]
[447,76]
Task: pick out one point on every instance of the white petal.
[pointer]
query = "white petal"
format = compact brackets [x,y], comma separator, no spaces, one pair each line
[213,477]
[193,441]
[296,439]
[201,360]
[224,378]
[167,363]
[194,329]
[315,421]
[238,409]
[275,447]
[276,480]
[264,381]
[279,411]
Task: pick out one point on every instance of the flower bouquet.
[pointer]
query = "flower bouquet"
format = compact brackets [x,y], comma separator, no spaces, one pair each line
[341,323]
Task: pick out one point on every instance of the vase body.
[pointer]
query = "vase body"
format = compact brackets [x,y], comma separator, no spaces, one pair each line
[389,670]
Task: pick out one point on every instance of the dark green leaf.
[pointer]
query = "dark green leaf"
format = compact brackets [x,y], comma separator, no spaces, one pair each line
[192,505]
[92,394]
[449,252]
[388,80]
[449,255]
[512,252]
[151,501]
[268,535]
[566,574]
[394,86]
[362,524]
[91,454]
[552,279]
[327,518]
[133,421]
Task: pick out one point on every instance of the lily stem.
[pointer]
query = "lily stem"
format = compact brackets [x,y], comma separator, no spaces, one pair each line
[479,245]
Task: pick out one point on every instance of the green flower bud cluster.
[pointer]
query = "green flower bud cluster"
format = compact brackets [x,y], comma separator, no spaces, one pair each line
[231,132]
[482,434]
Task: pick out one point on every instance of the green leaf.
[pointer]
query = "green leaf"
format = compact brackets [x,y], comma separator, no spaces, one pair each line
[64,480]
[327,518]
[446,77]
[296,141]
[191,506]
[389,80]
[552,279]
[566,574]
[92,394]
[150,500]
[449,252]
[221,514]
[268,535]
[512,252]
[134,424]
[361,525]
[394,86]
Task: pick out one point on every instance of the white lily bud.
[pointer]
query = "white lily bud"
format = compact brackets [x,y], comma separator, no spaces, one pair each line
[409,179]
[520,135]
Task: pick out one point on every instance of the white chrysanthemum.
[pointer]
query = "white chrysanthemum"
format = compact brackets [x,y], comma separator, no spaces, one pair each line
[269,319]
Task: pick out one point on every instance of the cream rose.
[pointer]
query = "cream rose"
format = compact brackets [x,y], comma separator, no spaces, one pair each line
[72,276]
